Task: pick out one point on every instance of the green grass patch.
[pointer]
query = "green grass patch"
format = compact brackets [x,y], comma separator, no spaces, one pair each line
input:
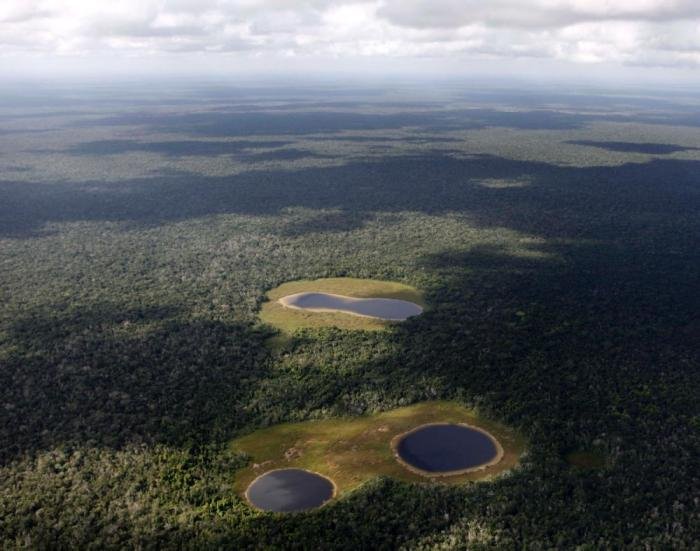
[351,451]
[289,320]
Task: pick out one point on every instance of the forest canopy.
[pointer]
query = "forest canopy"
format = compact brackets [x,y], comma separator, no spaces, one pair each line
[554,239]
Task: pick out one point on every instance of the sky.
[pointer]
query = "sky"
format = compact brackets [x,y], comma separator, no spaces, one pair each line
[635,38]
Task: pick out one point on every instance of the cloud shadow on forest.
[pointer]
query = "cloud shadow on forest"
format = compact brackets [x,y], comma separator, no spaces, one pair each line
[560,202]
[634,147]
[175,148]
[110,376]
[257,123]
[430,119]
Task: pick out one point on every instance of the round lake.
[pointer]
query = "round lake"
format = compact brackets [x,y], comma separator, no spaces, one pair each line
[446,448]
[383,308]
[289,490]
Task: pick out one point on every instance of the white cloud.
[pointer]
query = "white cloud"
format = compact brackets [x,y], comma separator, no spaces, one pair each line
[532,13]
[632,32]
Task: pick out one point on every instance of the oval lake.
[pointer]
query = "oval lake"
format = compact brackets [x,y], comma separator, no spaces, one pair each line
[445,447]
[289,490]
[389,309]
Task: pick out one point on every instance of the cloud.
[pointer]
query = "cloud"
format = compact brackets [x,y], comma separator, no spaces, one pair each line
[628,32]
[531,14]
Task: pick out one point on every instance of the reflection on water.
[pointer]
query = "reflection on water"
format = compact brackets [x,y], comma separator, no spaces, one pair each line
[446,447]
[383,308]
[289,490]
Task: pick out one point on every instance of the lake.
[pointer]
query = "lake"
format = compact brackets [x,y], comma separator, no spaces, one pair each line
[384,308]
[289,490]
[441,448]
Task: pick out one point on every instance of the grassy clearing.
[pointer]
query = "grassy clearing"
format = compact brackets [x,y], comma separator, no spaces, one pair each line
[351,451]
[289,320]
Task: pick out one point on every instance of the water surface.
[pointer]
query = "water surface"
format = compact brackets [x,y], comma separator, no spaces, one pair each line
[383,308]
[289,490]
[446,447]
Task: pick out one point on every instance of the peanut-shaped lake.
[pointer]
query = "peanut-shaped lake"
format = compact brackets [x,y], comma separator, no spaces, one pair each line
[389,309]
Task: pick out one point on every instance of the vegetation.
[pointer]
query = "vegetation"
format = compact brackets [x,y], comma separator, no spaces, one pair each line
[586,459]
[351,451]
[563,281]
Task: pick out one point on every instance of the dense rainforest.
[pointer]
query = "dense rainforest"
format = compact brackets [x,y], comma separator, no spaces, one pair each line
[555,238]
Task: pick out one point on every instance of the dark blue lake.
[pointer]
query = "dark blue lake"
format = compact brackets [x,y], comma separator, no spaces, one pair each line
[384,308]
[289,490]
[446,447]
